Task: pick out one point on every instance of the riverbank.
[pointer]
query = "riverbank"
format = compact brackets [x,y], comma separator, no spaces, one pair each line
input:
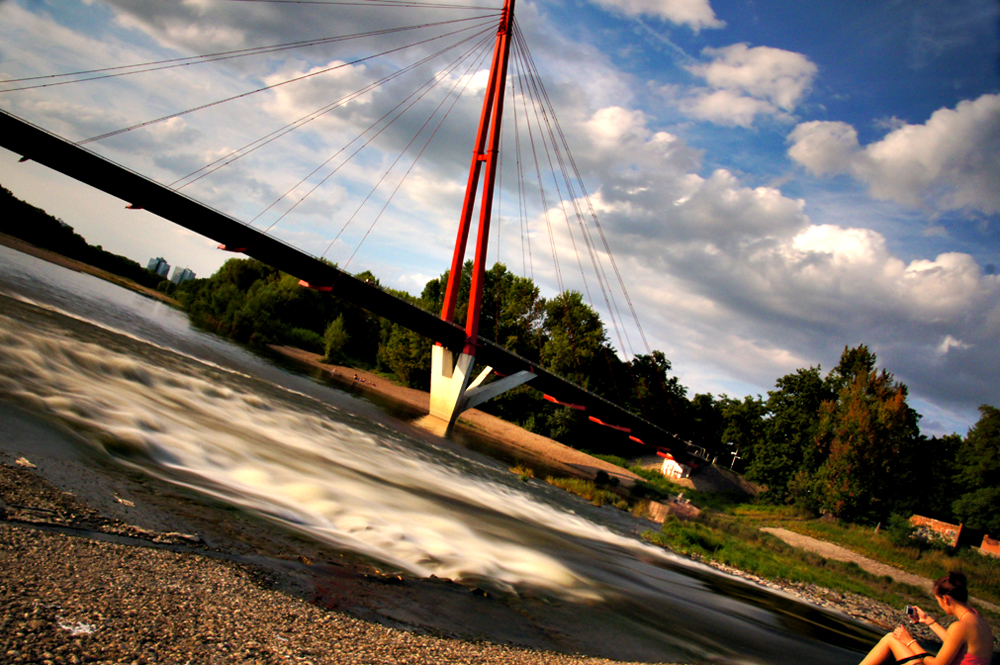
[510,441]
[79,266]
[513,442]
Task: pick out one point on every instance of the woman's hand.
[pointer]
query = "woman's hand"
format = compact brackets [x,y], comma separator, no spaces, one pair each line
[923,617]
[902,635]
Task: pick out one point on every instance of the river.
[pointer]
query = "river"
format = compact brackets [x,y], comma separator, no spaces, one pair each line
[130,376]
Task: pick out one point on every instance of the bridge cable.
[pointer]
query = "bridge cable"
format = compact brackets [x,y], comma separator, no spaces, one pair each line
[432,82]
[157,65]
[538,175]
[539,94]
[545,144]
[253,146]
[598,268]
[468,80]
[593,215]
[598,265]
[270,87]
[522,201]
[483,44]
[536,103]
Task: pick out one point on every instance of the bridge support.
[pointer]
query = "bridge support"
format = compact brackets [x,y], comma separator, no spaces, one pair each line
[453,390]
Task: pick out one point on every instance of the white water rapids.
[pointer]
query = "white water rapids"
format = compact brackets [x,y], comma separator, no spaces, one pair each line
[317,469]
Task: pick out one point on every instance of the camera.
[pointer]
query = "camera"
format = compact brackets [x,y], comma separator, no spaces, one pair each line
[911,612]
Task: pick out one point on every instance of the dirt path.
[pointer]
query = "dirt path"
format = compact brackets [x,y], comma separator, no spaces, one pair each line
[838,553]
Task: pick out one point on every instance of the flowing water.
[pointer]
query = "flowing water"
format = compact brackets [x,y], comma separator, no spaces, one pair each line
[130,376]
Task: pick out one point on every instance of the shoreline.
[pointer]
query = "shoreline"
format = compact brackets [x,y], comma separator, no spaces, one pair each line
[515,440]
[512,441]
[78,266]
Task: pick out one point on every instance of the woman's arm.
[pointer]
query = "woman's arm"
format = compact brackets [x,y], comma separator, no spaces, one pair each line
[931,622]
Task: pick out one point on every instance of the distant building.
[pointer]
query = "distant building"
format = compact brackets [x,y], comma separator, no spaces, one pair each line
[181,275]
[159,266]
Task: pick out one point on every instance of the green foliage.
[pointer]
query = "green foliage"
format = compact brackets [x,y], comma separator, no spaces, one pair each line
[733,542]
[900,531]
[304,339]
[862,445]
[407,355]
[589,490]
[335,338]
[576,338]
[787,433]
[977,467]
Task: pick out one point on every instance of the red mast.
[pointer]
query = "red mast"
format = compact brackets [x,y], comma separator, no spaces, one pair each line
[485,153]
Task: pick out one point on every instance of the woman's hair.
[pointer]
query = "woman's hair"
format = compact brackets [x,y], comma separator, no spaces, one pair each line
[954,585]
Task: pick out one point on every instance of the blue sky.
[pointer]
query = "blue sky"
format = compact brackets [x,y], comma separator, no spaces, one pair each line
[775,180]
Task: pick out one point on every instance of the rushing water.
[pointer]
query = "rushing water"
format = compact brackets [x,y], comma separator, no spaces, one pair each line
[130,375]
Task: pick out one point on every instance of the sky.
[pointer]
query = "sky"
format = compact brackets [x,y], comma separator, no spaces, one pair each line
[774,180]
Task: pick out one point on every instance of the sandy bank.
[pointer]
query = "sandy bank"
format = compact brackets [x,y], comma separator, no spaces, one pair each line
[516,442]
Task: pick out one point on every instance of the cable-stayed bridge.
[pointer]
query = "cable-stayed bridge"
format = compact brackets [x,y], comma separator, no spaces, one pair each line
[457,349]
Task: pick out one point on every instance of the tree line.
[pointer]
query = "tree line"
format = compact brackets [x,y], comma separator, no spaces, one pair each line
[34,225]
[846,443]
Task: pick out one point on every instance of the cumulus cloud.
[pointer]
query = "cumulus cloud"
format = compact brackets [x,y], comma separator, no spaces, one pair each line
[724,266]
[745,82]
[696,14]
[951,162]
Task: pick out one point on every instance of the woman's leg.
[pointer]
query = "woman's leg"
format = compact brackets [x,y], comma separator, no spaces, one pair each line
[888,648]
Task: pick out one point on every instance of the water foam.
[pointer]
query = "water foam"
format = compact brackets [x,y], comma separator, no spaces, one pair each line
[312,467]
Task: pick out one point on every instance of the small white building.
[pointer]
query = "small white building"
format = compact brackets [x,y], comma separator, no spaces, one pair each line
[673,469]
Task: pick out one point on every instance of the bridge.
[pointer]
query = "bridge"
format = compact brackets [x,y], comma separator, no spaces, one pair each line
[456,349]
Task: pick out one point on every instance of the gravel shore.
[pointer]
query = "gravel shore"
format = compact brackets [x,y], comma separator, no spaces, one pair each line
[80,584]
[70,599]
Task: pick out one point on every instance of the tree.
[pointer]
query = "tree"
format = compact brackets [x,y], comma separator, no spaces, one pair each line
[863,442]
[743,424]
[335,339]
[788,432]
[407,355]
[978,473]
[575,339]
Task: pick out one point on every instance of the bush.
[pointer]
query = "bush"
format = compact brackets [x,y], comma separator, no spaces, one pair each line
[304,339]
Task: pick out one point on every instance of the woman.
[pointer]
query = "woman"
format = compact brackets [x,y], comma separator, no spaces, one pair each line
[967,641]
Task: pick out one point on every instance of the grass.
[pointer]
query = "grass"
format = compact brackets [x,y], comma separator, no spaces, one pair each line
[590,491]
[731,541]
[729,533]
[983,572]
[525,473]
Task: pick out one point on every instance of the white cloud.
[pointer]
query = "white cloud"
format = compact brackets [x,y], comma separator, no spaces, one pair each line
[824,147]
[726,107]
[696,14]
[951,162]
[745,82]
